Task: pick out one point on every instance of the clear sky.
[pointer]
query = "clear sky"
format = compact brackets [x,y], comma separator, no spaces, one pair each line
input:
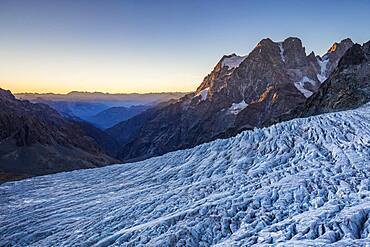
[154,45]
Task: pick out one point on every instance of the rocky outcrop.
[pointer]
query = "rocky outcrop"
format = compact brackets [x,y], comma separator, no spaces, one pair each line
[335,53]
[241,92]
[347,87]
[36,140]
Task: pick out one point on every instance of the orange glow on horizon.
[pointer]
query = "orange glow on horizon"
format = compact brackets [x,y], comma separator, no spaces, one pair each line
[18,87]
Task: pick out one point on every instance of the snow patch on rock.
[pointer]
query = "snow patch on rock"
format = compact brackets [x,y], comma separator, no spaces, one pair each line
[323,68]
[235,108]
[203,94]
[300,86]
[281,51]
[233,61]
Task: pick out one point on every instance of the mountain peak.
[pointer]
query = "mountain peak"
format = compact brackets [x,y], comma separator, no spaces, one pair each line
[341,46]
[346,40]
[6,94]
[293,39]
[265,43]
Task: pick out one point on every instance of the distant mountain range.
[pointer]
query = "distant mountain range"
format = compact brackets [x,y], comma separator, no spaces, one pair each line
[100,109]
[242,92]
[122,99]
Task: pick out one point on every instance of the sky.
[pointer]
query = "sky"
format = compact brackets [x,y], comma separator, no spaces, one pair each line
[154,46]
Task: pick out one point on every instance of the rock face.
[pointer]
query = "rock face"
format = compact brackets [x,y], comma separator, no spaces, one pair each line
[335,52]
[347,87]
[241,92]
[36,140]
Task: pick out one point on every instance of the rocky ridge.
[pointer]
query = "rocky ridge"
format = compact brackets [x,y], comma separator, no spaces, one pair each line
[241,92]
[348,87]
[36,140]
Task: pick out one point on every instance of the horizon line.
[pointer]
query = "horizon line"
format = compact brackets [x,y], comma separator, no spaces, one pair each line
[95,92]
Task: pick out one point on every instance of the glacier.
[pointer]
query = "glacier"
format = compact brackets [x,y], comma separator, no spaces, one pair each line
[304,182]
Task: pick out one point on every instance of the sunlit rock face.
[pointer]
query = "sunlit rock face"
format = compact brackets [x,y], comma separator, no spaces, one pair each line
[303,182]
[335,53]
[272,79]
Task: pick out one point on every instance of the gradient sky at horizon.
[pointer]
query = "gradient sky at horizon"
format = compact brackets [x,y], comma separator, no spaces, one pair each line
[154,46]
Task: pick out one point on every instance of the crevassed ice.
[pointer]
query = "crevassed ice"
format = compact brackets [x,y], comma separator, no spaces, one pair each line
[305,182]
[233,61]
[300,86]
[235,108]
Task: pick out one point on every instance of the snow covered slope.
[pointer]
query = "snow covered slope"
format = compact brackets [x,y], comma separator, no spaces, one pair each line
[299,183]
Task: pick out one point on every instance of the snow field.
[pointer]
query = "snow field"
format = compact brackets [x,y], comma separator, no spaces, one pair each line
[300,183]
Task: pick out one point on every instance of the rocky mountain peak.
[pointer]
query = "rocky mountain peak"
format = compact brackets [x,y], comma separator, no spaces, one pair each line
[6,94]
[346,88]
[311,55]
[267,48]
[272,63]
[330,60]
[337,50]
[294,52]
[266,42]
[240,93]
[289,53]
[293,42]
[342,46]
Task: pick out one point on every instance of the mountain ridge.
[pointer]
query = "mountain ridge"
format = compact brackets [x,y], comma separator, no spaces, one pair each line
[347,88]
[241,92]
[36,140]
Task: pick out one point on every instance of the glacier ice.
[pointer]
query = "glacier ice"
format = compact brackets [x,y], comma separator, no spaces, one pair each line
[305,182]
